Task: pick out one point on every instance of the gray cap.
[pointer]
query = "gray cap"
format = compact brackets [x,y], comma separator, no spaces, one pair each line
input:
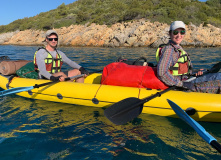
[49,32]
[177,24]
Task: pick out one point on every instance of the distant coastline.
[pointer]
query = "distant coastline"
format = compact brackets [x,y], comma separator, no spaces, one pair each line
[138,33]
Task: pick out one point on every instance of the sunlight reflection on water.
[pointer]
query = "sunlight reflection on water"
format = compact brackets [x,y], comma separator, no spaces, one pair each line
[34,129]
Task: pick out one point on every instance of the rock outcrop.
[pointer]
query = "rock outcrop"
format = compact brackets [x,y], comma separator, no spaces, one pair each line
[139,33]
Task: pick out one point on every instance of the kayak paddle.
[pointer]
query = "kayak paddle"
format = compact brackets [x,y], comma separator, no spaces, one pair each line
[129,108]
[21,89]
[214,69]
[195,125]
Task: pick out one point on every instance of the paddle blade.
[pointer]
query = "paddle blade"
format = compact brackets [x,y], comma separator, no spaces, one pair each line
[195,125]
[124,110]
[15,90]
[215,68]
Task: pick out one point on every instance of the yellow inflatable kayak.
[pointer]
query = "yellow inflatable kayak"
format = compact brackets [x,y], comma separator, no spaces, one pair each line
[92,93]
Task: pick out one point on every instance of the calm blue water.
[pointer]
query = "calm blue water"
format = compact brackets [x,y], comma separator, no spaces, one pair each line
[41,130]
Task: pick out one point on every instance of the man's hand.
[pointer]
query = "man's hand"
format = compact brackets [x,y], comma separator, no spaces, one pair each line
[54,79]
[83,71]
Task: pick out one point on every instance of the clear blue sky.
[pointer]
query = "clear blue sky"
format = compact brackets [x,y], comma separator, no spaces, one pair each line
[11,10]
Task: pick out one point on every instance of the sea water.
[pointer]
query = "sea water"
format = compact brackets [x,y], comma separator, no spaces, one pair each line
[42,130]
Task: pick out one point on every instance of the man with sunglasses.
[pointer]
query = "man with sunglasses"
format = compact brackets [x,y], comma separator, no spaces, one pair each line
[48,61]
[174,65]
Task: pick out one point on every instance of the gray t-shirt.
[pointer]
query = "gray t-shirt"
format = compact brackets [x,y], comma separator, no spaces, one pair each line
[42,54]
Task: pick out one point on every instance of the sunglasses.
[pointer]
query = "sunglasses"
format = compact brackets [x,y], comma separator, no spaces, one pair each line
[182,32]
[51,39]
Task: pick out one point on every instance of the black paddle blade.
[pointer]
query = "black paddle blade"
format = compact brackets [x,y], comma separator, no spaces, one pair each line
[124,110]
[215,68]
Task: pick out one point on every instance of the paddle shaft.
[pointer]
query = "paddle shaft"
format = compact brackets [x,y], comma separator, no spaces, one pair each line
[142,101]
[66,79]
[214,69]
[22,89]
[216,145]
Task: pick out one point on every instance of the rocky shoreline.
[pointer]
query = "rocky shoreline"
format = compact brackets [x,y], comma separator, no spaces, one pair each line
[140,33]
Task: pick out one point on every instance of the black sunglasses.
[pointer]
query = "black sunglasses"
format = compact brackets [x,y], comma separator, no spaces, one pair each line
[51,39]
[182,32]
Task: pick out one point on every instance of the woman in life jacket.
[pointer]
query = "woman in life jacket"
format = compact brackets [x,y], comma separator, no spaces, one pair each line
[48,61]
[174,65]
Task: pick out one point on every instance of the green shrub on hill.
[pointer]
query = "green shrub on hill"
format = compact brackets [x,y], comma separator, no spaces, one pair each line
[112,11]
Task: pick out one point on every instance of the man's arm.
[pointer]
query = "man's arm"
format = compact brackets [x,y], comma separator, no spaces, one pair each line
[68,61]
[40,59]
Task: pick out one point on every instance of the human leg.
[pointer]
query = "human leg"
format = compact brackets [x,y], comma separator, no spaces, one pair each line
[76,72]
[208,87]
[60,74]
[207,77]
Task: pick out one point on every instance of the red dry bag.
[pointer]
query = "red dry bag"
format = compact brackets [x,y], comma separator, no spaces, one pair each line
[121,74]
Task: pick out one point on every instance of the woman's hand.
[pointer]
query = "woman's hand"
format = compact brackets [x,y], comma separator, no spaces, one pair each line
[200,72]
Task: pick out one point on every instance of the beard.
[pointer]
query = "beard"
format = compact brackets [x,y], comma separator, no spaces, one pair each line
[53,46]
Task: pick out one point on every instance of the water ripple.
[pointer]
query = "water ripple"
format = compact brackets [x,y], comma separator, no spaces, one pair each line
[34,129]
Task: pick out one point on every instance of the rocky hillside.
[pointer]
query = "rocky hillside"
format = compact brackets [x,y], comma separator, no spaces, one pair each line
[140,33]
